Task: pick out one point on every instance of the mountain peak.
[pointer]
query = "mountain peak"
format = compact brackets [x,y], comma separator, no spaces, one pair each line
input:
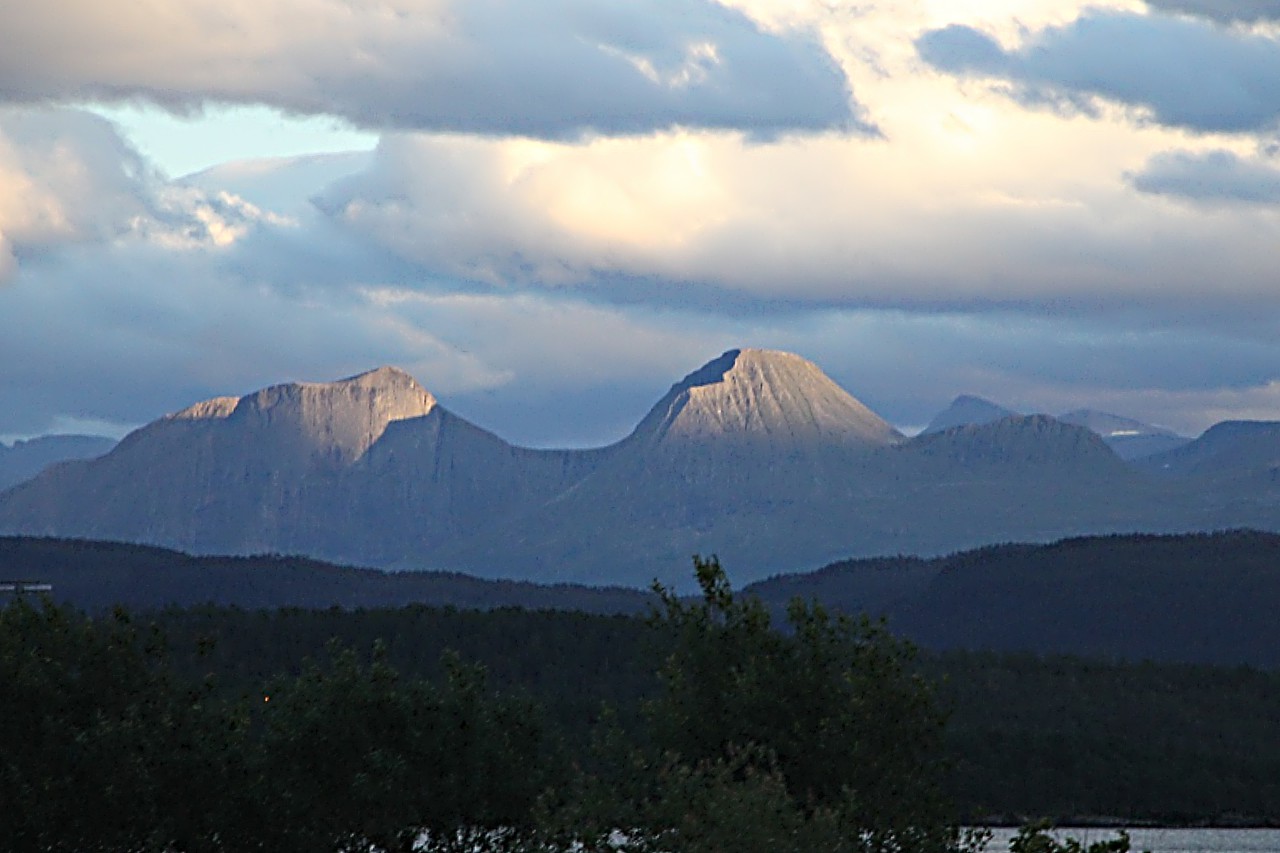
[387,375]
[339,419]
[967,410]
[1108,425]
[1020,440]
[756,394]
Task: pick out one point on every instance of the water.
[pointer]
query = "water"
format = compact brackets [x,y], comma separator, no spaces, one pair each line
[1167,840]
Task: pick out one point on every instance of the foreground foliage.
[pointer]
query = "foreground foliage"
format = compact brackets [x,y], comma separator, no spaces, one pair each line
[104,751]
[725,733]
[758,740]
[817,738]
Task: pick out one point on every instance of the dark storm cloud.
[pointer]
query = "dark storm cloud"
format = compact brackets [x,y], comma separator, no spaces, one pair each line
[1223,11]
[1216,176]
[551,68]
[1184,72]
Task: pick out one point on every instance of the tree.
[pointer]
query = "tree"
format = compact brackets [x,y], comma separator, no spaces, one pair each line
[823,729]
[101,749]
[352,758]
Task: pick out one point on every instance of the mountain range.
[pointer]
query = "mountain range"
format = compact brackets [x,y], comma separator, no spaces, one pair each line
[1129,438]
[757,456]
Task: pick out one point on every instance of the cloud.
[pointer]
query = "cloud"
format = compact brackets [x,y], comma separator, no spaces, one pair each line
[128,332]
[64,177]
[552,289]
[1182,72]
[708,221]
[1223,11]
[555,68]
[1214,176]
[130,329]
[67,178]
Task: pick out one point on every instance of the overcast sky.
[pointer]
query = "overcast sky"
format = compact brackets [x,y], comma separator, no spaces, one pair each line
[551,210]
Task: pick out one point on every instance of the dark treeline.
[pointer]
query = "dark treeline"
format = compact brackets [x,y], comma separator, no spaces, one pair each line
[1029,736]
[96,576]
[754,739]
[1196,598]
[1193,598]
[1071,737]
[227,729]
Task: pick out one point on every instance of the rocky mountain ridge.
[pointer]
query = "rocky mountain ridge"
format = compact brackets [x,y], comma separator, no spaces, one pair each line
[757,456]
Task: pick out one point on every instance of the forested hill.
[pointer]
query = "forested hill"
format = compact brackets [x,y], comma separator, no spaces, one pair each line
[1205,598]
[98,575]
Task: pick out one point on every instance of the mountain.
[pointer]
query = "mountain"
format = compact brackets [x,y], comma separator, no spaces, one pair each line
[738,458]
[369,469]
[767,499]
[757,456]
[764,400]
[1129,438]
[1021,478]
[24,459]
[228,474]
[1234,469]
[1021,441]
[1228,450]
[967,410]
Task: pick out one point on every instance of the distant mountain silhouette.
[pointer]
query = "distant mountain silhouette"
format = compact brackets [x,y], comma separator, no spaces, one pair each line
[967,410]
[24,459]
[1129,438]
[1229,450]
[757,456]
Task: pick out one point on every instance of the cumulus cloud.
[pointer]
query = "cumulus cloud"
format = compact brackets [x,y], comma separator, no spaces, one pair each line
[64,177]
[553,68]
[705,220]
[1223,11]
[1213,177]
[67,177]
[132,329]
[1182,72]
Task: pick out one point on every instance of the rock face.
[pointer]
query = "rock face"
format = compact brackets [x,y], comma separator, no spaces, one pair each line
[325,424]
[757,457]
